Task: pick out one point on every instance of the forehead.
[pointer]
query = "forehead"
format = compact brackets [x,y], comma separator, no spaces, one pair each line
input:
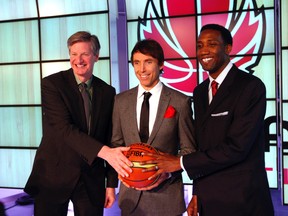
[140,56]
[81,46]
[210,34]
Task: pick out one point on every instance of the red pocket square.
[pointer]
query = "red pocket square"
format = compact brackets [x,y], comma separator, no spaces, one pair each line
[170,112]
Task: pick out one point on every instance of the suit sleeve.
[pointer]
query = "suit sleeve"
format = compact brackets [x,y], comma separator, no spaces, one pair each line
[62,120]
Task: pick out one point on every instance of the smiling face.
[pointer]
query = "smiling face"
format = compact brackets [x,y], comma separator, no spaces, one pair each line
[147,70]
[212,52]
[82,60]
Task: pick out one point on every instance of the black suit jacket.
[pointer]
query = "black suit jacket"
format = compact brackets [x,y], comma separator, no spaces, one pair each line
[229,169]
[67,152]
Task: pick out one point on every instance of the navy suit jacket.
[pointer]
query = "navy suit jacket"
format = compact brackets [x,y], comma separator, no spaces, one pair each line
[67,152]
[229,170]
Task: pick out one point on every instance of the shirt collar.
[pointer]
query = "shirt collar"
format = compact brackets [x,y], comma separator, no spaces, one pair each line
[88,82]
[222,75]
[157,88]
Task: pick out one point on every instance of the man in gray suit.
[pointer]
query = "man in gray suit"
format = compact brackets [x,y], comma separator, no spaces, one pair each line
[171,130]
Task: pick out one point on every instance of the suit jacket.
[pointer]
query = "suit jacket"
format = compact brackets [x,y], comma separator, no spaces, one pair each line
[168,135]
[67,152]
[229,169]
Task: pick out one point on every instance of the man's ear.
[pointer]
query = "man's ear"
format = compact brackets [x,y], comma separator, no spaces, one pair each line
[228,49]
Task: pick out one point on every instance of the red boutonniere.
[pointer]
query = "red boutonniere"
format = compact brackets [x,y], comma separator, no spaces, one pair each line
[170,112]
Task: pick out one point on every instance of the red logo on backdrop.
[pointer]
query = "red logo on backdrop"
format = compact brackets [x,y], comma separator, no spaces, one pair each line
[171,24]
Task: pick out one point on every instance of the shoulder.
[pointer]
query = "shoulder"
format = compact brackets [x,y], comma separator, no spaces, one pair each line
[127,93]
[97,82]
[174,93]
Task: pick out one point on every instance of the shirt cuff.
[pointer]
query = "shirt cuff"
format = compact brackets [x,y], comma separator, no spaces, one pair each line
[181,163]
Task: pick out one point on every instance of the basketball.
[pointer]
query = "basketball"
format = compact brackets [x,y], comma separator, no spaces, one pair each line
[137,178]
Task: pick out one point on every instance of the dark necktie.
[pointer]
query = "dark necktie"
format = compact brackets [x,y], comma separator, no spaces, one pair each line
[87,102]
[214,86]
[144,118]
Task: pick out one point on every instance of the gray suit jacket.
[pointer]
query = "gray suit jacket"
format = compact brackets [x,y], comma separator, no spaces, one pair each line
[173,135]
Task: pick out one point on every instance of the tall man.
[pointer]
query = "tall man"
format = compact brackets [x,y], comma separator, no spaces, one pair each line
[228,170]
[69,162]
[170,130]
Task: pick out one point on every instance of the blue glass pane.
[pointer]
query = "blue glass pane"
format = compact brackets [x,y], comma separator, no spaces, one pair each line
[56,7]
[56,31]
[20,84]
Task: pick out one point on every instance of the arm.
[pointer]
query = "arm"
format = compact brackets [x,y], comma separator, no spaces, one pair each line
[61,115]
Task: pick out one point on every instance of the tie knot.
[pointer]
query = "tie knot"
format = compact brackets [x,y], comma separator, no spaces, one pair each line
[82,86]
[214,86]
[147,95]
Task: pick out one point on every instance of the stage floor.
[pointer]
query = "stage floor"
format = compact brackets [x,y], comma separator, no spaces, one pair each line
[9,197]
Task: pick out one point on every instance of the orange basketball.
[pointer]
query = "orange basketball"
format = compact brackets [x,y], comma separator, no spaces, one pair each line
[137,178]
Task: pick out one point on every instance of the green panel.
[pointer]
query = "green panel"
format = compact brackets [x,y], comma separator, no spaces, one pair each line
[284,74]
[15,166]
[20,84]
[19,41]
[56,7]
[284,23]
[102,70]
[20,126]
[266,72]
[56,31]
[15,9]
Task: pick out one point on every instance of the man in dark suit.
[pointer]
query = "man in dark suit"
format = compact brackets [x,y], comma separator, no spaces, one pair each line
[228,170]
[171,130]
[69,162]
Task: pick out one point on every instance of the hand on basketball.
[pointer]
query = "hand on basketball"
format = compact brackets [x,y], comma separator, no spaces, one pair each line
[162,177]
[165,163]
[117,159]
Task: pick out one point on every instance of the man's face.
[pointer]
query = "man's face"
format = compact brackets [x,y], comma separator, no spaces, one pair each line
[212,53]
[146,69]
[82,60]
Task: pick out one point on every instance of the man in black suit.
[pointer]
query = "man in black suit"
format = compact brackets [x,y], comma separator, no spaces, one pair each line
[228,169]
[70,161]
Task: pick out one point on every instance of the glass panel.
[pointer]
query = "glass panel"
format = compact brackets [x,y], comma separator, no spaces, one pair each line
[102,70]
[20,84]
[266,72]
[284,74]
[20,126]
[19,41]
[56,31]
[54,67]
[285,178]
[16,164]
[15,9]
[56,7]
[255,40]
[284,22]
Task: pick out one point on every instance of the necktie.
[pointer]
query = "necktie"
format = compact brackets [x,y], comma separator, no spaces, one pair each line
[214,86]
[144,118]
[87,102]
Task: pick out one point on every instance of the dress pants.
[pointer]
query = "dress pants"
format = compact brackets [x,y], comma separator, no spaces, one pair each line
[81,204]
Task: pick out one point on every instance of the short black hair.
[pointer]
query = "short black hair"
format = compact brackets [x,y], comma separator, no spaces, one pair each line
[149,47]
[225,33]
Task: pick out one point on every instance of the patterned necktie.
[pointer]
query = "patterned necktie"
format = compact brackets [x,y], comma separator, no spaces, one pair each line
[144,118]
[87,103]
[214,86]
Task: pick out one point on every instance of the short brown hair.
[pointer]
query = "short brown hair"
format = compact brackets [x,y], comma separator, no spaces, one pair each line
[83,36]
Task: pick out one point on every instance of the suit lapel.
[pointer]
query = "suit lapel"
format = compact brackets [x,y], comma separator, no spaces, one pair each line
[222,93]
[96,102]
[73,92]
[131,114]
[163,105]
